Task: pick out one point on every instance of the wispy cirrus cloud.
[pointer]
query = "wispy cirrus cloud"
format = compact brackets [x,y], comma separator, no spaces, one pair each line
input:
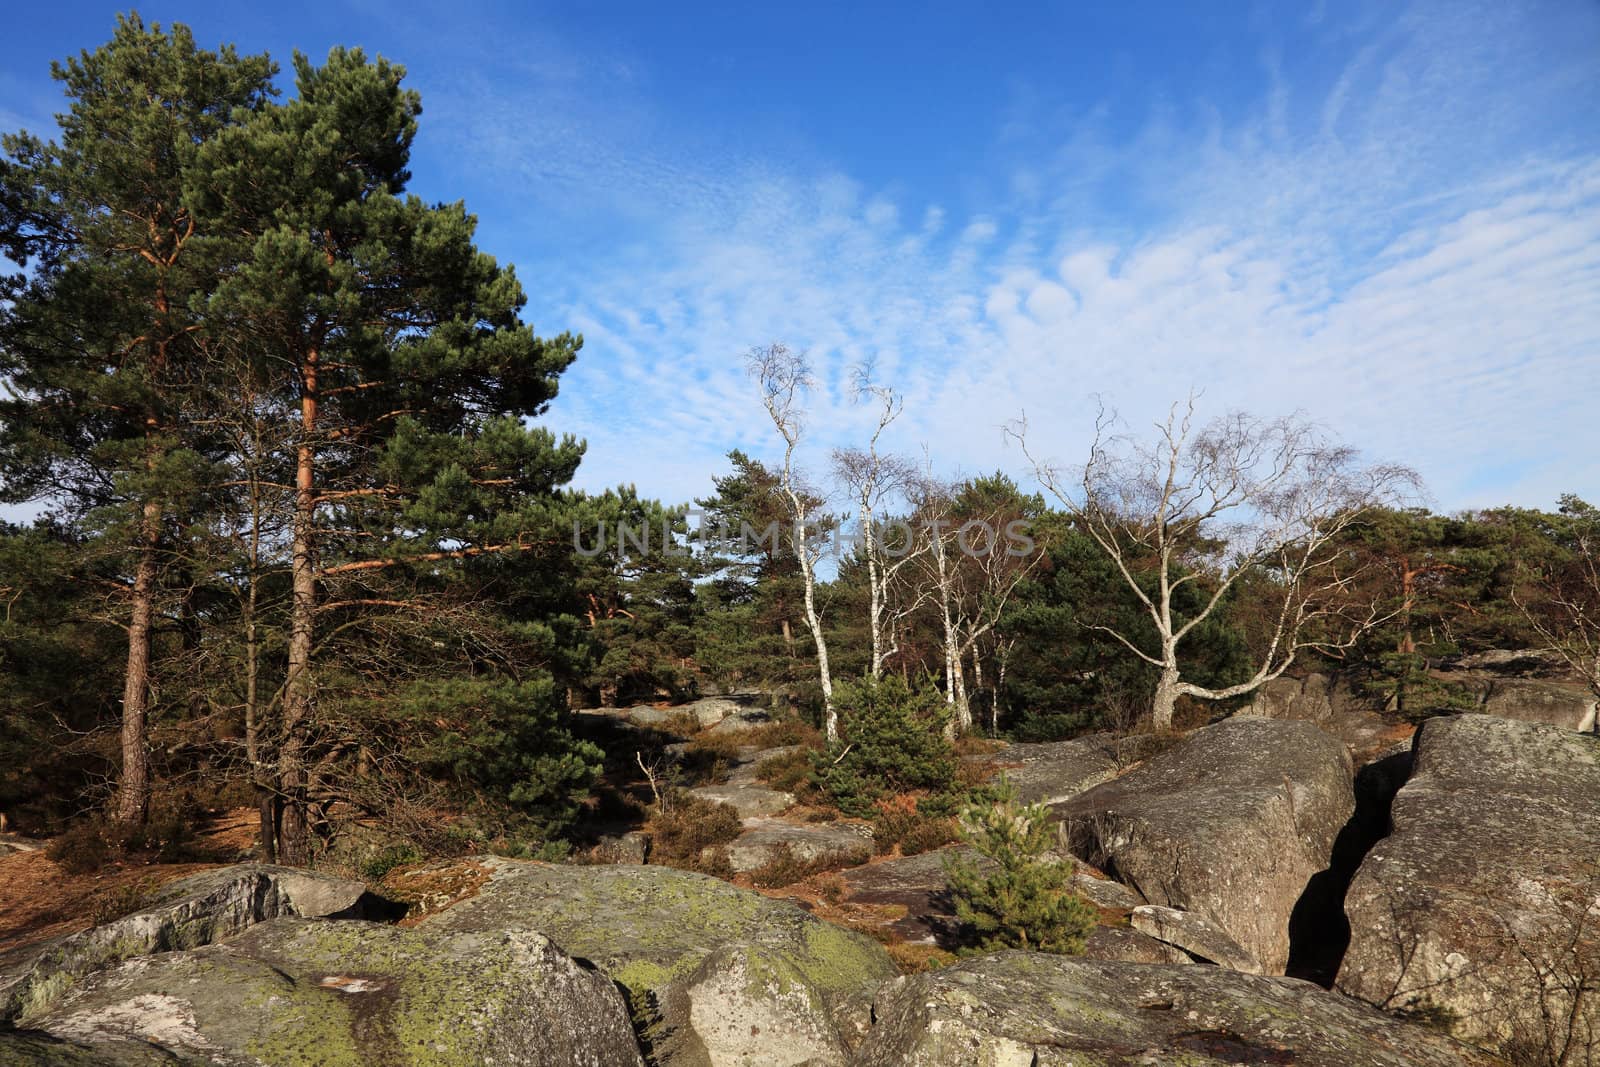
[1400,235]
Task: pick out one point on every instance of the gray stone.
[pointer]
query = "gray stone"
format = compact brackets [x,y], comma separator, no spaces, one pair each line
[1120,943]
[1194,934]
[631,847]
[10,843]
[745,767]
[294,991]
[750,801]
[1018,1009]
[1105,893]
[1053,772]
[34,1048]
[693,953]
[207,907]
[1332,705]
[765,840]
[1481,907]
[741,721]
[1231,823]
[1569,705]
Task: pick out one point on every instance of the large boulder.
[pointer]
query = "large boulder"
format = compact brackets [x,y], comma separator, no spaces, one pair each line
[1569,705]
[1231,823]
[1330,703]
[295,991]
[767,841]
[715,974]
[751,800]
[1194,935]
[1017,1009]
[1482,908]
[194,911]
[1053,772]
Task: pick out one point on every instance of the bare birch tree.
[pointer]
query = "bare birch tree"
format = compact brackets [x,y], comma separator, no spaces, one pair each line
[783,375]
[1240,496]
[873,479]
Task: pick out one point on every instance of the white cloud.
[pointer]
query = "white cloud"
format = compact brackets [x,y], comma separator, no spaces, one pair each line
[1399,247]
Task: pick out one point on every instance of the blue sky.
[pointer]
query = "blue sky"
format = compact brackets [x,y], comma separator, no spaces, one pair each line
[1385,215]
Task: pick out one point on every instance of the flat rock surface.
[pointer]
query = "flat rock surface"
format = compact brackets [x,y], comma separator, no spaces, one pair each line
[1230,823]
[1034,1010]
[764,840]
[1053,772]
[1484,901]
[751,801]
[1121,943]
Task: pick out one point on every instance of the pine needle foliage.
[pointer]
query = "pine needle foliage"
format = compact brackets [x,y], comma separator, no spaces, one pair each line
[1022,897]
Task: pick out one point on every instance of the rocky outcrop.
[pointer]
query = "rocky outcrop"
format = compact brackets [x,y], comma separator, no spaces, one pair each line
[1053,772]
[744,791]
[1231,824]
[695,956]
[199,910]
[1526,686]
[767,840]
[293,991]
[740,711]
[1024,1009]
[1121,943]
[1193,934]
[751,800]
[1332,705]
[1569,705]
[1482,907]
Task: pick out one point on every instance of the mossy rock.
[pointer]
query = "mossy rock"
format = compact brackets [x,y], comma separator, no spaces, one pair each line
[199,910]
[1022,1009]
[292,991]
[694,954]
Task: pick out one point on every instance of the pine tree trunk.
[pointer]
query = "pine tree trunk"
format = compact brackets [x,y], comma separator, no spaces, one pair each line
[266,805]
[294,845]
[133,790]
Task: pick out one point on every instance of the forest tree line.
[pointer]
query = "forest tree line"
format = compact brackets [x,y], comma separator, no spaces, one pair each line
[303,545]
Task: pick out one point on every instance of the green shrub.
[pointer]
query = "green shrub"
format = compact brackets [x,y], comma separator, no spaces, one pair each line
[379,862]
[789,771]
[1025,898]
[891,741]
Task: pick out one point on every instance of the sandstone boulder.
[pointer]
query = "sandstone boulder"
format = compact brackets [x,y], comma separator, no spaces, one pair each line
[1482,907]
[1031,1010]
[1193,934]
[1230,824]
[767,840]
[1569,705]
[1053,772]
[1332,705]
[204,908]
[751,800]
[695,955]
[1121,943]
[293,991]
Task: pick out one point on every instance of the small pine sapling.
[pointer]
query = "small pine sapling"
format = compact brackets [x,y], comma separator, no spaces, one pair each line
[1022,897]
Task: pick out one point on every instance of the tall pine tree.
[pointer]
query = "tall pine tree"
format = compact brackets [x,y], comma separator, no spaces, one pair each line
[400,345]
[97,339]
